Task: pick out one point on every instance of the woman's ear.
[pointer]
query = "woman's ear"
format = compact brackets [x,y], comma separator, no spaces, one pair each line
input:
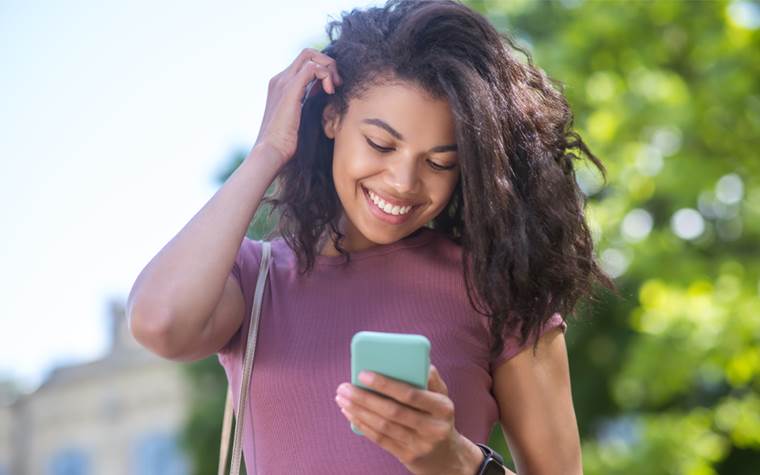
[329,120]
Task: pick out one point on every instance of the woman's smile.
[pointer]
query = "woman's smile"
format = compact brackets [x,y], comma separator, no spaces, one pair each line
[385,216]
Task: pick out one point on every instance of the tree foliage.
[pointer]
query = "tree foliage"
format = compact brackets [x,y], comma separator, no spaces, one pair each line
[667,94]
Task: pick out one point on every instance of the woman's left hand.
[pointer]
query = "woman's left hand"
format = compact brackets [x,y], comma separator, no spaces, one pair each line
[416,426]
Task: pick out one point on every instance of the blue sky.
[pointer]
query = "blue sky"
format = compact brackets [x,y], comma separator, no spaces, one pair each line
[115,117]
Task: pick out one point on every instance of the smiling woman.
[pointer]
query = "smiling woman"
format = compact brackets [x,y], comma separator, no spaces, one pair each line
[438,124]
[401,174]
[437,109]
[424,184]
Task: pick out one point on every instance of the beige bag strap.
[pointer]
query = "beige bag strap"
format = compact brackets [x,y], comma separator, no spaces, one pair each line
[246,376]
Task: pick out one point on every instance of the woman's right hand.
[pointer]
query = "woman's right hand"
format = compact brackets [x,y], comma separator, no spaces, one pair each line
[282,115]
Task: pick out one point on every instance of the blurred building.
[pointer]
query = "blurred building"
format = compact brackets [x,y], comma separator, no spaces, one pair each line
[118,415]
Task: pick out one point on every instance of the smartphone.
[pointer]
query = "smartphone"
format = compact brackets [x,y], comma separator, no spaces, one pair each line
[401,356]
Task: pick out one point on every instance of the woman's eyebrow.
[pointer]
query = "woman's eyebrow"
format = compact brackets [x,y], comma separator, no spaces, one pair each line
[395,133]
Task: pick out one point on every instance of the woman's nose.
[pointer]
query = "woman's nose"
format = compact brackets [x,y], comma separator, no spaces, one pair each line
[403,174]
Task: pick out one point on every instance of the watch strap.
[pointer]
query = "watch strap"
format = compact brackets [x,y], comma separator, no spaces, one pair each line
[489,455]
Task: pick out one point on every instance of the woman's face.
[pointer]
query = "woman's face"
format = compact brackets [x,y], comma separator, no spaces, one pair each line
[413,162]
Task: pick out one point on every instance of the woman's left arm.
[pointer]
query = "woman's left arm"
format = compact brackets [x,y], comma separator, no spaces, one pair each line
[536,405]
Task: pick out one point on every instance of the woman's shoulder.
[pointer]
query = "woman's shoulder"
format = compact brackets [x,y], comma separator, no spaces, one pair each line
[245,270]
[249,253]
[251,250]
[248,260]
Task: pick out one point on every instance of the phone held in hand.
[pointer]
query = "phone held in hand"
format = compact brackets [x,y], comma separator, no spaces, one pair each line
[401,356]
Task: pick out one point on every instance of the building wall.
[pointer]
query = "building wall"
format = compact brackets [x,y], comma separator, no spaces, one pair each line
[6,435]
[119,415]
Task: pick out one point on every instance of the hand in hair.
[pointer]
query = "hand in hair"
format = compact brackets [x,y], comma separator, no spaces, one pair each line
[282,114]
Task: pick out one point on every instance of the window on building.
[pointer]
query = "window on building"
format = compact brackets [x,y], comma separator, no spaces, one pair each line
[157,453]
[69,461]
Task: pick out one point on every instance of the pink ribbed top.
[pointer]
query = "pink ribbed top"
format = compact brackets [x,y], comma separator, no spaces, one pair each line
[413,285]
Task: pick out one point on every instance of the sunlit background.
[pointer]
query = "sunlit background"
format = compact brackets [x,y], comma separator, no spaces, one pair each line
[119,120]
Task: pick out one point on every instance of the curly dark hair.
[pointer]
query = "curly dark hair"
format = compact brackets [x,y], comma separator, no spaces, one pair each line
[517,210]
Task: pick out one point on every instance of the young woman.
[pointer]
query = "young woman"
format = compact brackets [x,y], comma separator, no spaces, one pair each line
[424,185]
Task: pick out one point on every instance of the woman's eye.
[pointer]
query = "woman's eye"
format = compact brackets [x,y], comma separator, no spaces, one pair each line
[377,147]
[380,149]
[441,167]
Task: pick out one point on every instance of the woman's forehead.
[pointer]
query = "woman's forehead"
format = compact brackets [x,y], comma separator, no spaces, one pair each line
[402,106]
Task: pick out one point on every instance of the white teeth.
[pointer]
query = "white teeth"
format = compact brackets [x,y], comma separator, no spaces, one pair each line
[387,207]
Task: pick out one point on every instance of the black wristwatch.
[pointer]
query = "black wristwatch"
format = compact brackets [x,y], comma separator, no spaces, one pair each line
[493,463]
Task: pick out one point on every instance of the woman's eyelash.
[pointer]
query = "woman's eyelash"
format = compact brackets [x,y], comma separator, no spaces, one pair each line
[377,147]
[386,150]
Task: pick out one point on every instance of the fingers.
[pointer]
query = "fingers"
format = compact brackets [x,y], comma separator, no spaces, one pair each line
[359,400]
[381,419]
[323,75]
[435,381]
[431,402]
[305,55]
[311,63]
[391,437]
[310,79]
[311,54]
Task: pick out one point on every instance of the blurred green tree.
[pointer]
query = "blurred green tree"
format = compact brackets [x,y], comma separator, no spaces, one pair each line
[667,94]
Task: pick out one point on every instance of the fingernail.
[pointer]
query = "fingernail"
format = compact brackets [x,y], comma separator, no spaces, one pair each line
[344,390]
[365,377]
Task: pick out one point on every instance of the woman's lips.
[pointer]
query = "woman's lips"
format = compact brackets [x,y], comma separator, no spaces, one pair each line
[393,202]
[382,215]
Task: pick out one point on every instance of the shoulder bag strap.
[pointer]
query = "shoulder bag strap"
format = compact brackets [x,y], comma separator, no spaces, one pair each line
[246,375]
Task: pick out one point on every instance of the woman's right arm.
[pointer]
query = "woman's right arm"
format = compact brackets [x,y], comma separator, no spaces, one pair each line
[171,307]
[185,305]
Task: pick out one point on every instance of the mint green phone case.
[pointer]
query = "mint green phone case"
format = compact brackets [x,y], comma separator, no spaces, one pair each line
[401,356]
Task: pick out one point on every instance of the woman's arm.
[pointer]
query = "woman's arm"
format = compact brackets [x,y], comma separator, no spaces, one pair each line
[536,405]
[174,298]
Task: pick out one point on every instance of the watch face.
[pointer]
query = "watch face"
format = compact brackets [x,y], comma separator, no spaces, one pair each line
[493,468]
